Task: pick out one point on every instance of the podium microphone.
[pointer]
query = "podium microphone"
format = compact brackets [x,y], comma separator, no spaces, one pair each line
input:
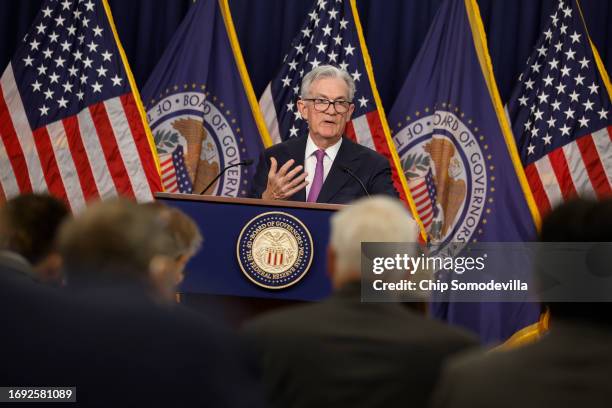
[350,173]
[245,162]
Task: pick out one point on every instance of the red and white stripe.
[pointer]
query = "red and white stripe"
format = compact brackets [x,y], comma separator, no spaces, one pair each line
[580,168]
[168,173]
[275,257]
[266,105]
[420,195]
[367,130]
[101,152]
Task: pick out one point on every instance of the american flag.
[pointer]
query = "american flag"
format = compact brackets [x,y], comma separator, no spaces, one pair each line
[424,193]
[560,114]
[70,123]
[330,35]
[175,178]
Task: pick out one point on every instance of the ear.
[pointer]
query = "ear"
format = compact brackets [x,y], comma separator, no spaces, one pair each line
[350,112]
[303,109]
[161,277]
[158,268]
[181,262]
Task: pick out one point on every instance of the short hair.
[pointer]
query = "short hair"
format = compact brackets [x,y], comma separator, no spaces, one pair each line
[29,224]
[579,220]
[375,219]
[114,238]
[183,231]
[327,71]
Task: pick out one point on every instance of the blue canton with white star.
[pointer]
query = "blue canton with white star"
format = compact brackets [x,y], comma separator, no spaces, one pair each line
[561,96]
[68,61]
[183,180]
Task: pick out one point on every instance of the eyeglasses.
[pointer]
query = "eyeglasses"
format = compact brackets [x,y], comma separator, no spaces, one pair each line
[321,105]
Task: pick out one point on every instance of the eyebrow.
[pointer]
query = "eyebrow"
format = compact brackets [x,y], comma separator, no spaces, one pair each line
[340,98]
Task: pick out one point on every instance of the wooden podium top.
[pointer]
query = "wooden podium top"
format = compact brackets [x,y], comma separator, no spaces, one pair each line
[251,201]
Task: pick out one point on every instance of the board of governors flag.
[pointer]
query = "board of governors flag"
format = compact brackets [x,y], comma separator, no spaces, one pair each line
[70,119]
[560,114]
[200,104]
[453,137]
[331,34]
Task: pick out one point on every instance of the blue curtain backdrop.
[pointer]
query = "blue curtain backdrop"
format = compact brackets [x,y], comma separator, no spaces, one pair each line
[394,31]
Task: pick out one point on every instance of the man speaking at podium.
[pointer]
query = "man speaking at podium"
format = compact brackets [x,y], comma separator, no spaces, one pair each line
[323,166]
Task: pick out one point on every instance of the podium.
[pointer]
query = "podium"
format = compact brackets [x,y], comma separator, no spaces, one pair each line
[216,270]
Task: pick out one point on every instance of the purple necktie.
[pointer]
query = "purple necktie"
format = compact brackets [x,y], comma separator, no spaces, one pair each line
[317,181]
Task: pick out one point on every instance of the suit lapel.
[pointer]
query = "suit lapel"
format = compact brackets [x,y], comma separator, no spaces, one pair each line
[337,178]
[297,151]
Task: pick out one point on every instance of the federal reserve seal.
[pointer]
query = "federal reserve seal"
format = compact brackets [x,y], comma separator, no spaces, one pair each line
[207,132]
[274,250]
[447,173]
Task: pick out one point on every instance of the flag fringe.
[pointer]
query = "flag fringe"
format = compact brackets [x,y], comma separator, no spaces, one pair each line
[244,74]
[126,65]
[383,119]
[480,44]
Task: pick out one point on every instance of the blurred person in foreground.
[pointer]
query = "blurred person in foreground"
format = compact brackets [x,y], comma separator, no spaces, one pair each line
[28,227]
[185,241]
[345,353]
[570,365]
[109,334]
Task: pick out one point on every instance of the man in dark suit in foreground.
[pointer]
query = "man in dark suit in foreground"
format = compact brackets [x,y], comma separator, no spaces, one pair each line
[323,166]
[112,337]
[571,365]
[345,353]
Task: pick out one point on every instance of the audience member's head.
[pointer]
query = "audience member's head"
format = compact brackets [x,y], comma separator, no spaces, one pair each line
[185,241]
[377,219]
[28,226]
[579,220]
[115,240]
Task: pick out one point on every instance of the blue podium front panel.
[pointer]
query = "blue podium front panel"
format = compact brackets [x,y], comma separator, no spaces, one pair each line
[216,268]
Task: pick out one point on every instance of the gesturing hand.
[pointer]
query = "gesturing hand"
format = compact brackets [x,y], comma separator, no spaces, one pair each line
[284,183]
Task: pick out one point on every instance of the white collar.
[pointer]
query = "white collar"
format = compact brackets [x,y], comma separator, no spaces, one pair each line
[331,151]
[15,257]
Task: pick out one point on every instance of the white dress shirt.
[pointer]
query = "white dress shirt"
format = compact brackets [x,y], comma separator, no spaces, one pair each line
[310,160]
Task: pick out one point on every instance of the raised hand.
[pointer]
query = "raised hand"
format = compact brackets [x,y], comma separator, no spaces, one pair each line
[284,183]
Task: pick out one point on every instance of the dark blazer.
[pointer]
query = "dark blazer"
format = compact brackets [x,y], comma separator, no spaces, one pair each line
[118,348]
[339,188]
[344,353]
[569,367]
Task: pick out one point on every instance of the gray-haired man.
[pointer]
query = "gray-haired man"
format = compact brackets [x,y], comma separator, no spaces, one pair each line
[323,166]
[342,352]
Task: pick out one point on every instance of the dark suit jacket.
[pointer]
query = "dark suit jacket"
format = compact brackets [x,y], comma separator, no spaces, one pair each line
[344,353]
[339,188]
[118,348]
[570,367]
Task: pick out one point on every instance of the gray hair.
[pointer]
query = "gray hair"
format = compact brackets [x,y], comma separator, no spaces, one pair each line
[186,236]
[112,237]
[375,219]
[327,71]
